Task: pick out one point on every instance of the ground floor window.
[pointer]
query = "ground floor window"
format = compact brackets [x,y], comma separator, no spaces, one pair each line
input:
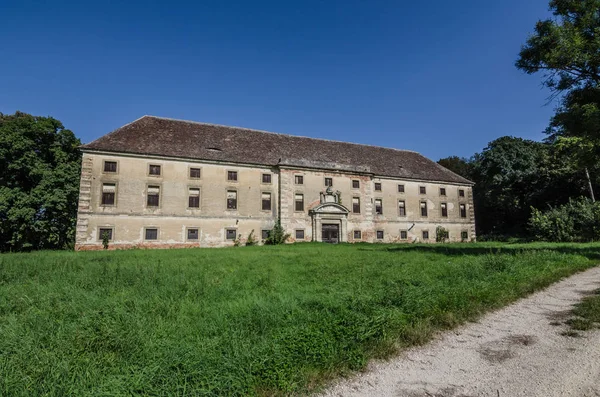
[464,235]
[379,234]
[265,234]
[105,230]
[151,233]
[357,235]
[300,234]
[230,234]
[192,234]
[425,234]
[403,235]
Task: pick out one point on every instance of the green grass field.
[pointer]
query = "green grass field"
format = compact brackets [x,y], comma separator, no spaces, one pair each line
[249,320]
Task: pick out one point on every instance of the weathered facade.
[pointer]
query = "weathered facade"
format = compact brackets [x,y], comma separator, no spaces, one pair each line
[168,183]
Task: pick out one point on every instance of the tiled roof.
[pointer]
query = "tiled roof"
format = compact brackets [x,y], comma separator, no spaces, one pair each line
[158,136]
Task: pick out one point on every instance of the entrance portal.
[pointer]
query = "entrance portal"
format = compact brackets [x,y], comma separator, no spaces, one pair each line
[330,233]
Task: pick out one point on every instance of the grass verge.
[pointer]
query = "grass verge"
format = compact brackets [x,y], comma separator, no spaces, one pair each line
[245,321]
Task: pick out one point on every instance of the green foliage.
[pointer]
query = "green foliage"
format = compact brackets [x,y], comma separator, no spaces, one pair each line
[458,165]
[105,240]
[578,220]
[441,234]
[259,321]
[251,240]
[277,235]
[39,183]
[237,242]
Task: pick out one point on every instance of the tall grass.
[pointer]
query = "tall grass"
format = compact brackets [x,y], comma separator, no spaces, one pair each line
[245,321]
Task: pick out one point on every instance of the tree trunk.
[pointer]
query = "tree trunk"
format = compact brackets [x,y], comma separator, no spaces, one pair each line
[587,175]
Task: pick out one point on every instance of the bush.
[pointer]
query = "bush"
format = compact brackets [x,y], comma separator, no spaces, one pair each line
[277,235]
[250,241]
[441,234]
[105,239]
[578,220]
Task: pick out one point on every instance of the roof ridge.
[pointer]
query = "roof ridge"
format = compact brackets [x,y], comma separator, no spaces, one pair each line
[275,133]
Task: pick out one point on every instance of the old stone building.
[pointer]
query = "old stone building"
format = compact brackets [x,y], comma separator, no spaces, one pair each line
[160,182]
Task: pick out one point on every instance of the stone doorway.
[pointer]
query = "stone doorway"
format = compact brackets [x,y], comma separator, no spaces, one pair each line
[330,233]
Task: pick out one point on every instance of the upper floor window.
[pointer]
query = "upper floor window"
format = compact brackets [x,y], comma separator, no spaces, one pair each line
[355,184]
[194,197]
[299,202]
[108,193]
[442,191]
[423,208]
[231,200]
[110,166]
[266,202]
[422,190]
[299,179]
[154,169]
[195,173]
[377,186]
[356,205]
[401,208]
[153,196]
[328,182]
[461,193]
[379,206]
[444,208]
[400,188]
[266,178]
[232,176]
[463,211]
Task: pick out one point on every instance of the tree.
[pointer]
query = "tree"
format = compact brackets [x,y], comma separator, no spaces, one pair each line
[458,165]
[39,183]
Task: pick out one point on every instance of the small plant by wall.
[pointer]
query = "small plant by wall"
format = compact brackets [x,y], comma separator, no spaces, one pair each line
[441,234]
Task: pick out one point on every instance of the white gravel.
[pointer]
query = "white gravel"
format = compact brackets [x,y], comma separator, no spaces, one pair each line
[515,351]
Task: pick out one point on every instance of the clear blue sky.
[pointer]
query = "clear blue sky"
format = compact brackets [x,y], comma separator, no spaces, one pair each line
[434,76]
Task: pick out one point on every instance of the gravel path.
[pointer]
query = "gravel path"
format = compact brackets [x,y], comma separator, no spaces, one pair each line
[516,351]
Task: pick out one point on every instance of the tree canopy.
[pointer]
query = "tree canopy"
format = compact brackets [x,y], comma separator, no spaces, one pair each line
[39,183]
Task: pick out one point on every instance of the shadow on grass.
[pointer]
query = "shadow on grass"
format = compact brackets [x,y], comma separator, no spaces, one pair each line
[590,252]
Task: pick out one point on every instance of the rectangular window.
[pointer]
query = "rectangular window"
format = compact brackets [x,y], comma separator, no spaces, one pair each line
[378,206]
[299,179]
[107,230]
[195,173]
[108,193]
[355,184]
[422,190]
[400,188]
[463,211]
[379,234]
[328,181]
[442,191]
[299,234]
[151,234]
[401,208]
[461,193]
[110,166]
[464,235]
[266,178]
[403,235]
[153,197]
[230,234]
[357,235]
[266,201]
[377,186]
[425,234]
[423,208]
[192,234]
[154,169]
[231,200]
[356,205]
[444,208]
[232,176]
[265,234]
[299,202]
[194,197]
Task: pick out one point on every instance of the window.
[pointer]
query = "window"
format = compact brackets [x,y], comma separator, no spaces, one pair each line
[154,170]
[195,173]
[401,208]
[300,234]
[230,234]
[357,235]
[110,166]
[377,186]
[232,176]
[356,205]
[425,234]
[108,193]
[153,196]
[464,235]
[266,178]
[151,233]
[461,193]
[422,190]
[192,234]
[379,234]
[328,181]
[423,208]
[463,211]
[107,230]
[378,206]
[400,188]
[444,208]
[299,179]
[266,201]
[403,235]
[265,234]
[194,197]
[299,202]
[231,200]
[442,191]
[355,184]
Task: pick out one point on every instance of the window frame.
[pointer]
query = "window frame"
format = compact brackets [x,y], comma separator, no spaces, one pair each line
[423,233]
[148,196]
[443,192]
[461,192]
[405,232]
[401,188]
[227,207]
[377,187]
[380,206]
[262,233]
[235,233]
[299,177]
[114,194]
[296,234]
[403,208]
[353,204]
[116,171]
[464,235]
[296,202]
[463,210]
[150,165]
[199,197]
[187,233]
[229,173]
[424,210]
[190,173]
[444,210]
[262,202]
[112,232]
[359,238]
[326,179]
[377,234]
[147,228]
[262,178]
[422,189]
[356,182]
